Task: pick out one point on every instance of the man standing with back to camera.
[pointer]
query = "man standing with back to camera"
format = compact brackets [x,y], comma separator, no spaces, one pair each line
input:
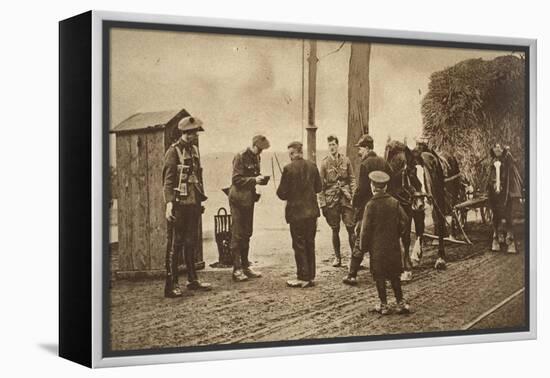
[335,199]
[300,183]
[183,194]
[242,197]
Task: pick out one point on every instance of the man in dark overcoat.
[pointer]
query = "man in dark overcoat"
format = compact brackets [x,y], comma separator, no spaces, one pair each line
[242,197]
[384,224]
[183,194]
[370,162]
[299,186]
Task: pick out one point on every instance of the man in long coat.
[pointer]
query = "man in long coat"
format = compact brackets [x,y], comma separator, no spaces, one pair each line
[300,183]
[370,162]
[383,225]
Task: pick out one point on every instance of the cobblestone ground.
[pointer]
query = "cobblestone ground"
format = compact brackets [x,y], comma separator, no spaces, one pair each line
[266,310]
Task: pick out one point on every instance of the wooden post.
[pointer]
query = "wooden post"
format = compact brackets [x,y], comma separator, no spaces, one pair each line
[311,94]
[358,98]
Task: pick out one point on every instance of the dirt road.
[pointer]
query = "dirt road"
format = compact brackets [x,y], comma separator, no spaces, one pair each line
[266,310]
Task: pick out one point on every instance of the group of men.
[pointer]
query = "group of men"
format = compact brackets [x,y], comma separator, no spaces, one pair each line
[375,222]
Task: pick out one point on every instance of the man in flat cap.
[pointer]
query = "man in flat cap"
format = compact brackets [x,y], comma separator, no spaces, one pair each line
[242,197]
[383,226]
[335,199]
[183,194]
[369,162]
[300,183]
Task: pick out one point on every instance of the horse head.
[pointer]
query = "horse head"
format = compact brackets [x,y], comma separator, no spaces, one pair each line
[407,176]
[498,169]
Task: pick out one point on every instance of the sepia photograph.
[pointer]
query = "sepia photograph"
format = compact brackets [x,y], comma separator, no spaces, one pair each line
[290,189]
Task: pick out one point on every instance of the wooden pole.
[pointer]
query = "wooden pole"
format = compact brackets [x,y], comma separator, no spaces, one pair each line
[358,98]
[312,91]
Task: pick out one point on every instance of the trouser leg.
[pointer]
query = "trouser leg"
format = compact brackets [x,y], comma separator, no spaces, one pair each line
[396,286]
[381,288]
[351,236]
[189,221]
[357,254]
[171,259]
[248,222]
[241,230]
[298,244]
[311,229]
[336,241]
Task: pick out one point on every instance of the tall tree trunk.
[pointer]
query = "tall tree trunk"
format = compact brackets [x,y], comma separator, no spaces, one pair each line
[358,99]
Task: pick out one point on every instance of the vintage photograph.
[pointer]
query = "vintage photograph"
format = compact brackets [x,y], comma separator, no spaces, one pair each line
[282,189]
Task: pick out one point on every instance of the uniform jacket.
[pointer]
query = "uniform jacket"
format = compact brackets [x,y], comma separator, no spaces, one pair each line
[246,167]
[384,224]
[189,164]
[363,194]
[300,183]
[338,181]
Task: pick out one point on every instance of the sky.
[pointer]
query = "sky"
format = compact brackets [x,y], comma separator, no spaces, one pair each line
[240,86]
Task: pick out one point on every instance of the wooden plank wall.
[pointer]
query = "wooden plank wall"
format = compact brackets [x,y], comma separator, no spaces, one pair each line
[141,222]
[125,258]
[157,221]
[139,202]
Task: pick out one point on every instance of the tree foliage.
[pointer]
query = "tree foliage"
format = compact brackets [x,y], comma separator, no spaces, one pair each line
[473,105]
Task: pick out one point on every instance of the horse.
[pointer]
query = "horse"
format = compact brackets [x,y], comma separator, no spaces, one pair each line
[406,187]
[455,187]
[437,172]
[504,185]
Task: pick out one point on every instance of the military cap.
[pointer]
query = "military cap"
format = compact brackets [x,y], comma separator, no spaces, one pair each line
[365,141]
[189,124]
[379,178]
[261,142]
[296,145]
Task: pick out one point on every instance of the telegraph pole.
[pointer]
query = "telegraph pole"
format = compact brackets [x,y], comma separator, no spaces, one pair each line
[358,98]
[311,94]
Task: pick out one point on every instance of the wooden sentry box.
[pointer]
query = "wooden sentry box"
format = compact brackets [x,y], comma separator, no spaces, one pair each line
[141,142]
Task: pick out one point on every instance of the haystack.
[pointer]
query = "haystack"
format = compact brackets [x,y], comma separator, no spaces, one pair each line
[473,105]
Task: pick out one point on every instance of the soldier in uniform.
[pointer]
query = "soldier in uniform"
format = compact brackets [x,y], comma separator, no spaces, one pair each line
[369,162]
[383,226]
[299,186]
[183,194]
[242,197]
[335,199]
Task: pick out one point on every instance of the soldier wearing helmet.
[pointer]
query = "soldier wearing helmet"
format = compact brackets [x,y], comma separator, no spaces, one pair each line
[183,194]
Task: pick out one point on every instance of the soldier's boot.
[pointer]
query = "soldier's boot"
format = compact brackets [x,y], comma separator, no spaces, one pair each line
[337,262]
[239,276]
[351,278]
[381,308]
[171,287]
[171,290]
[250,273]
[402,307]
[196,285]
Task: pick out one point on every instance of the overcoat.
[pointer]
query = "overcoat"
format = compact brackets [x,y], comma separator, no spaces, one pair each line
[300,183]
[363,194]
[384,224]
